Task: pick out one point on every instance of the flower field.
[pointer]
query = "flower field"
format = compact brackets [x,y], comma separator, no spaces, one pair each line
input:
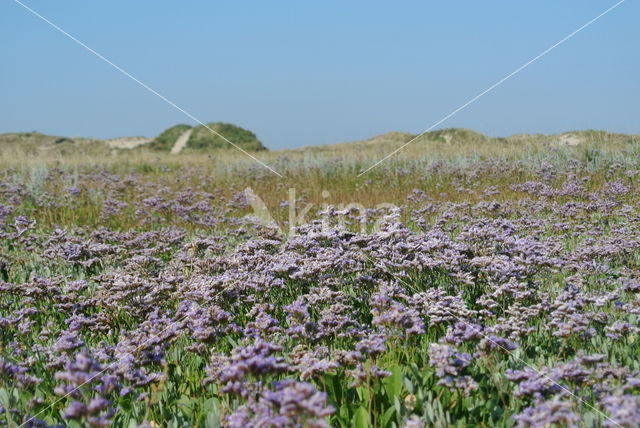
[497,293]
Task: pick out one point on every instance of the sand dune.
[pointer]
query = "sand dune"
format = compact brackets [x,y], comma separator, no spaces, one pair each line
[127,142]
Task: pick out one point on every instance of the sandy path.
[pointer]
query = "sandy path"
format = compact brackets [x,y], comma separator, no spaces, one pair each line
[181,141]
[570,140]
[127,142]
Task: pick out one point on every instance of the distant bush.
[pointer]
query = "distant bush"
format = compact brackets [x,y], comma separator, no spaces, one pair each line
[203,138]
[166,140]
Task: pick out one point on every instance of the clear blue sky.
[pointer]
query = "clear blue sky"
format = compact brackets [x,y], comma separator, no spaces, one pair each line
[299,73]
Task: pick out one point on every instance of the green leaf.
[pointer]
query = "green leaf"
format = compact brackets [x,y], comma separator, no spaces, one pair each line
[174,422]
[361,418]
[393,383]
[364,393]
[211,405]
[212,420]
[185,404]
[4,399]
[337,388]
[126,405]
[333,386]
[344,412]
[6,403]
[387,416]
[396,405]
[408,385]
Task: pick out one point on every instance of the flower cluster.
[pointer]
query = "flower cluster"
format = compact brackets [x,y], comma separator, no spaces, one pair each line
[135,296]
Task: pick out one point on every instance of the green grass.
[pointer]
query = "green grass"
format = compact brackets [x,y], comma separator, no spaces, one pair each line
[166,140]
[203,139]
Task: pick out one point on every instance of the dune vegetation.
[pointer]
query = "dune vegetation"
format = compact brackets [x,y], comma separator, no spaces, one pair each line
[202,139]
[167,138]
[467,281]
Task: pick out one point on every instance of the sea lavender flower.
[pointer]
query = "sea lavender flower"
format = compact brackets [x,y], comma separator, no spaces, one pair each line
[290,403]
[23,224]
[462,332]
[554,412]
[68,341]
[624,410]
[413,421]
[17,374]
[73,190]
[447,360]
[615,188]
[312,363]
[96,414]
[80,376]
[81,371]
[466,384]
[619,329]
[363,373]
[257,359]
[32,422]
[392,316]
[491,343]
[372,345]
[264,324]
[532,382]
[440,307]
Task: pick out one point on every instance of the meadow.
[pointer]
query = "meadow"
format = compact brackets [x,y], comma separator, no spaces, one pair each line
[481,283]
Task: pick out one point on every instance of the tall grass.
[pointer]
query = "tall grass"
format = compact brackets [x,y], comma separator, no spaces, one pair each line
[325,174]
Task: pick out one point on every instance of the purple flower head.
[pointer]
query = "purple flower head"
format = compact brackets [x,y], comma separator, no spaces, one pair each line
[624,410]
[462,332]
[532,382]
[447,360]
[543,414]
[372,345]
[394,317]
[290,403]
[73,190]
[256,360]
[76,410]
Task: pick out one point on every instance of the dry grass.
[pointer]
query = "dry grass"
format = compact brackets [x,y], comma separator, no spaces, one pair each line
[22,150]
[312,170]
[321,175]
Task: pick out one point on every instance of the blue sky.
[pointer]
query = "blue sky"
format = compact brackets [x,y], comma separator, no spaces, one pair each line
[302,73]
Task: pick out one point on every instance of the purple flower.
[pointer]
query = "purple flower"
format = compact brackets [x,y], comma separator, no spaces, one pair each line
[555,412]
[532,382]
[73,190]
[290,403]
[372,345]
[447,360]
[624,410]
[76,410]
[393,316]
[256,360]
